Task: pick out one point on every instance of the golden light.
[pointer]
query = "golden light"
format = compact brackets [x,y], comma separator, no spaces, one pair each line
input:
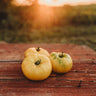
[62,2]
[45,15]
[22,2]
[54,2]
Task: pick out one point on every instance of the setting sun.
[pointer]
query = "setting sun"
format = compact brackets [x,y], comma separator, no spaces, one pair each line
[62,2]
[55,2]
[22,2]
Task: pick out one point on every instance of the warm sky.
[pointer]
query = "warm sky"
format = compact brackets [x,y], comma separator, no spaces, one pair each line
[57,2]
[62,2]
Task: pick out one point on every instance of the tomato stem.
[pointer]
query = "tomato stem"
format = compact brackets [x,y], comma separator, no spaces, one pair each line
[38,49]
[61,55]
[38,62]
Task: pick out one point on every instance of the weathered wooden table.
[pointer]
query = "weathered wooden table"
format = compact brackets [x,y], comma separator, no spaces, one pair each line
[80,81]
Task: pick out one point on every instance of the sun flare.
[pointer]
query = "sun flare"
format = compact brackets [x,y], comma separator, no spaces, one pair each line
[62,2]
[54,2]
[22,2]
[51,2]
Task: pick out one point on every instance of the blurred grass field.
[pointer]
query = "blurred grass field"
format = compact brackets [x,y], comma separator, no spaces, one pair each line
[41,24]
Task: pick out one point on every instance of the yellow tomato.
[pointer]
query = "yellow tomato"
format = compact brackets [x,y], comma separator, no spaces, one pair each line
[37,67]
[32,51]
[61,62]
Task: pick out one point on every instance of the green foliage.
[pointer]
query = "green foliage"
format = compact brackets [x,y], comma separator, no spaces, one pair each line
[41,24]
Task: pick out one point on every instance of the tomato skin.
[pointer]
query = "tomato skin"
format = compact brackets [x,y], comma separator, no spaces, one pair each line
[32,51]
[61,65]
[36,72]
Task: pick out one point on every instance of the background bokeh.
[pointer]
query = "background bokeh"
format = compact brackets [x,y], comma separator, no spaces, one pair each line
[46,24]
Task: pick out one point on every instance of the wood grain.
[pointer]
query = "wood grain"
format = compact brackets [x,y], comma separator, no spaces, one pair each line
[80,81]
[16,51]
[79,70]
[48,92]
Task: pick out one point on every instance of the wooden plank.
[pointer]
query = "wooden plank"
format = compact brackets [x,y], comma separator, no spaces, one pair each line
[48,83]
[47,92]
[80,81]
[16,51]
[11,75]
[15,68]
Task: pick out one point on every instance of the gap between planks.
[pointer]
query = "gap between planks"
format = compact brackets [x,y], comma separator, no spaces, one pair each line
[93,61]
